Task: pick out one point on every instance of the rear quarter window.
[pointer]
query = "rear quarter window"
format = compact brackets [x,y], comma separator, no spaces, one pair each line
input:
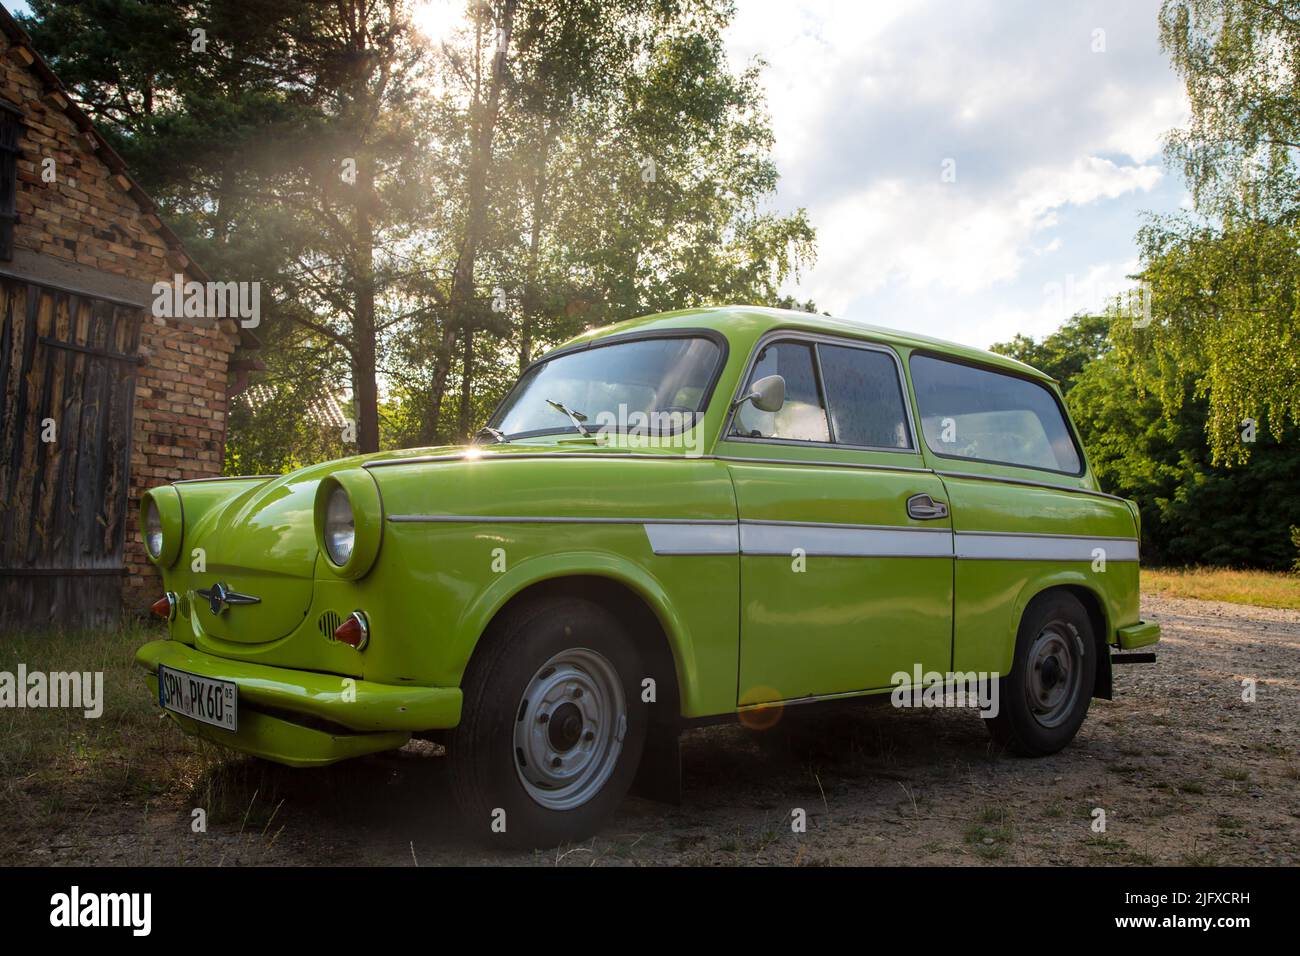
[983,415]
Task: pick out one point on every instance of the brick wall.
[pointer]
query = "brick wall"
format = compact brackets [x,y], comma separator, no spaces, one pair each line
[89,216]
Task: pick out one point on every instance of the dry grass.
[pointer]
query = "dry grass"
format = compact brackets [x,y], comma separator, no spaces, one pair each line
[1261,588]
[57,764]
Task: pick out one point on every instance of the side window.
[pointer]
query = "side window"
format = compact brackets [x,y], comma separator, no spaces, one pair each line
[802,418]
[865,397]
[969,412]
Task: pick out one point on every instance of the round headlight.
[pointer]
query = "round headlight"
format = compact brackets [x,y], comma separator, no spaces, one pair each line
[340,527]
[153,529]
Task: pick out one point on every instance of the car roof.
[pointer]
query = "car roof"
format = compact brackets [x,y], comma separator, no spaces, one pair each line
[749,322]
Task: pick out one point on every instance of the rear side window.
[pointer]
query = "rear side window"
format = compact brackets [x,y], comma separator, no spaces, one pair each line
[975,413]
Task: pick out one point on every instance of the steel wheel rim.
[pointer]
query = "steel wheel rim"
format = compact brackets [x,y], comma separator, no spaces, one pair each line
[1054,673]
[569,729]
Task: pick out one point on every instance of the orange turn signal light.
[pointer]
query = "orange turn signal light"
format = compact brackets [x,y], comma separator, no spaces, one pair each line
[165,606]
[355,631]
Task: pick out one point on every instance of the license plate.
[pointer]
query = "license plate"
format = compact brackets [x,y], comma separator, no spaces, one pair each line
[214,702]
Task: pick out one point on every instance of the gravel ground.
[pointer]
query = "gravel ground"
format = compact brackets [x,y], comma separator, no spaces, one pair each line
[1185,770]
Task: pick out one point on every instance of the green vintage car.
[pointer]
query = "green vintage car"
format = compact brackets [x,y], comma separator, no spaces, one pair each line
[706,514]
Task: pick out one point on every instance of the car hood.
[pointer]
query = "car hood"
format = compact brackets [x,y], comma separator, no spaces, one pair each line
[262,542]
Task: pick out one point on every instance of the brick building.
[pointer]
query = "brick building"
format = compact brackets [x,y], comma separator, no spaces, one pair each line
[101,399]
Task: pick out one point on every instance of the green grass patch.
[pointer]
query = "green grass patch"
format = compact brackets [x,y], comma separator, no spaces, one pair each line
[992,834]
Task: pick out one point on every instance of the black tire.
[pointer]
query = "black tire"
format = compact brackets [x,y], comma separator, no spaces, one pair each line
[488,768]
[1054,627]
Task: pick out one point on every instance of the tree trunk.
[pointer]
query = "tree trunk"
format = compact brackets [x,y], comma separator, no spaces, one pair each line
[365,390]
[461,304]
[531,305]
[466,421]
[364,387]
[366,393]
[438,389]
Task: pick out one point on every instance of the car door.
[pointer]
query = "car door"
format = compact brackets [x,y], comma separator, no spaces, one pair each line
[845,538]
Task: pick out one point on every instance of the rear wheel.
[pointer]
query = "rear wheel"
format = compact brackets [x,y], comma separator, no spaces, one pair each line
[552,725]
[1045,698]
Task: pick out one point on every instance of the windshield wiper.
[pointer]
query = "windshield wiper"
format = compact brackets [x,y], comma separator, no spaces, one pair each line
[576,417]
[496,434]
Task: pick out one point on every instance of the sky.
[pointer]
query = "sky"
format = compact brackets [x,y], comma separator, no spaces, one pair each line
[974,168]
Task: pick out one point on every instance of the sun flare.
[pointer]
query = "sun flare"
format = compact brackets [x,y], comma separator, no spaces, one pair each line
[437,20]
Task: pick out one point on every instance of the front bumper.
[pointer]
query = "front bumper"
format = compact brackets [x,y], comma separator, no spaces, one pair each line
[304,718]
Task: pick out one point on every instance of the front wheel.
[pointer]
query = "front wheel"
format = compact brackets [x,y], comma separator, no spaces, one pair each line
[1045,698]
[551,728]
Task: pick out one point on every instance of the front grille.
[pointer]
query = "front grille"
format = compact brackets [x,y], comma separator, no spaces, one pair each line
[329,623]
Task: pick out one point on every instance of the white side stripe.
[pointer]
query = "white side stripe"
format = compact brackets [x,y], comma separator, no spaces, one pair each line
[849,542]
[693,538]
[758,538]
[1011,547]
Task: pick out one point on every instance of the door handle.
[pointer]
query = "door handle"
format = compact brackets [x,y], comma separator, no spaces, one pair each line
[925,508]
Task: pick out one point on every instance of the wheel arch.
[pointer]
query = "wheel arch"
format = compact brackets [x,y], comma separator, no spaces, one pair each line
[1094,604]
[630,594]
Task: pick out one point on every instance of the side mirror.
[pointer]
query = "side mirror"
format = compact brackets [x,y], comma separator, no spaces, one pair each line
[768,394]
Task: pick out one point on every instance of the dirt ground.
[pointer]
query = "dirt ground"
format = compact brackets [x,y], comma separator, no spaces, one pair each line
[1186,772]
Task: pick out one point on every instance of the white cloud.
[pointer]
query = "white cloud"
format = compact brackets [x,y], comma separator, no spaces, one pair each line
[1056,147]
[939,235]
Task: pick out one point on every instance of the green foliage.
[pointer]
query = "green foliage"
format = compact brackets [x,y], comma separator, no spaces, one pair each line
[1239,60]
[1225,327]
[1223,282]
[1194,511]
[610,163]
[1065,352]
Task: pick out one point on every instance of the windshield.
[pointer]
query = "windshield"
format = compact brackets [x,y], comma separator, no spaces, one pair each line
[653,385]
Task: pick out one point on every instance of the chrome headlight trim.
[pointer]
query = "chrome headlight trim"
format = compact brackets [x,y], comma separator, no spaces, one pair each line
[349,522]
[162,520]
[153,529]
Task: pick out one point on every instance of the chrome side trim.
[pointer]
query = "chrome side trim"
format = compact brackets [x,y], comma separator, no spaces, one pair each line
[530,456]
[844,524]
[1044,534]
[1030,484]
[820,464]
[1005,547]
[641,456]
[194,481]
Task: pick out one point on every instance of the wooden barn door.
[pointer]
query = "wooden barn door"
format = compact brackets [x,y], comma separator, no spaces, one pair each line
[67,382]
